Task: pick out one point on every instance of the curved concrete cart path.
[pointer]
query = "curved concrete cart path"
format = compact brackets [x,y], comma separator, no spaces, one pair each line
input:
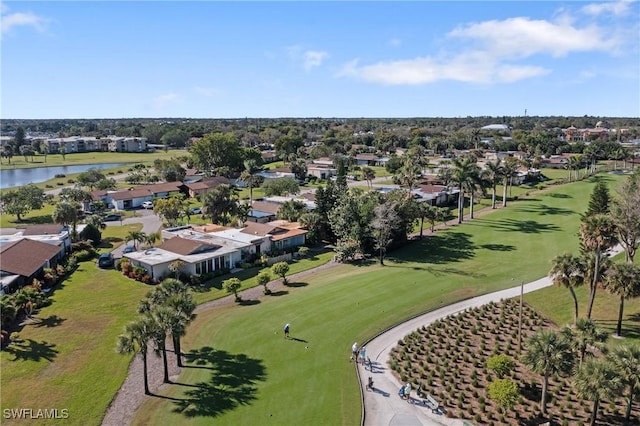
[383,406]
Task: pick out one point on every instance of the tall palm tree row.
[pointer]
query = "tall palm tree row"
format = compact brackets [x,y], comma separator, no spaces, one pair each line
[166,310]
[567,272]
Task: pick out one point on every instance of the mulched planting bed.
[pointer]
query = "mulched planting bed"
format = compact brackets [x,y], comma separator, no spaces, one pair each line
[448,360]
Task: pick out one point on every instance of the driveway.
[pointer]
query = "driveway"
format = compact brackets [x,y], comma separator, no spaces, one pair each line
[150,223]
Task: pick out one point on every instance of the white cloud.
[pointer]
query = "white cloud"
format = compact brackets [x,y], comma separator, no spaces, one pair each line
[8,20]
[308,59]
[395,42]
[618,8]
[166,99]
[492,52]
[313,58]
[471,67]
[523,37]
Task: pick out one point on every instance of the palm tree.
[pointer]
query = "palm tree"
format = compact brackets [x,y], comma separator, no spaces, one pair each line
[151,238]
[585,337]
[623,279]
[136,338]
[463,175]
[369,175]
[409,173]
[161,318]
[181,307]
[248,176]
[566,272]
[494,174]
[573,163]
[548,352]
[27,299]
[598,234]
[509,168]
[136,237]
[626,362]
[625,210]
[597,380]
[66,214]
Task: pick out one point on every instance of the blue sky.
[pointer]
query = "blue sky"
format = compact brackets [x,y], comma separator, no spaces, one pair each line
[212,59]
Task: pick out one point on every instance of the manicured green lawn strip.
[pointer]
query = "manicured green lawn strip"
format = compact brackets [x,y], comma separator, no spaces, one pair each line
[214,288]
[80,158]
[83,371]
[351,303]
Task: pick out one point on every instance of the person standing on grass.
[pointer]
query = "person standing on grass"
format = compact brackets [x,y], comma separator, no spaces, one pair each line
[354,352]
[287,326]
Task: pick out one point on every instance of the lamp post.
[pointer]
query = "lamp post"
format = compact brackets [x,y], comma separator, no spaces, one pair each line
[520,318]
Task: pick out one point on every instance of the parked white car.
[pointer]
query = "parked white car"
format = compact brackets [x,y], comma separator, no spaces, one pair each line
[147,205]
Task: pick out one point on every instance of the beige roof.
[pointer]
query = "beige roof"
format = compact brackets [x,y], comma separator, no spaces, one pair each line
[26,256]
[185,246]
[130,194]
[260,229]
[209,183]
[53,229]
[265,206]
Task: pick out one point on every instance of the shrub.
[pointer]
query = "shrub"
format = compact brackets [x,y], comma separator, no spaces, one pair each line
[48,186]
[84,255]
[71,181]
[71,266]
[246,265]
[60,176]
[505,392]
[59,183]
[303,251]
[501,364]
[91,233]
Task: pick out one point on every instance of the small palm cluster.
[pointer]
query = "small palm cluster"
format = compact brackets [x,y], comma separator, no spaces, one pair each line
[166,311]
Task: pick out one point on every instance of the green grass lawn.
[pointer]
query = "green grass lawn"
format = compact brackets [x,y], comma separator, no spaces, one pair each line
[330,311]
[79,158]
[67,358]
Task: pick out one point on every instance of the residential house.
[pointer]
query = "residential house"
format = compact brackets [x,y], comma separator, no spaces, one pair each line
[321,170]
[200,188]
[134,197]
[23,260]
[436,195]
[269,157]
[200,254]
[262,211]
[368,160]
[52,234]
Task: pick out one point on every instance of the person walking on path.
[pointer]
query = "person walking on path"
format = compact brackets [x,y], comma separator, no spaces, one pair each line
[363,356]
[354,352]
[407,391]
[287,326]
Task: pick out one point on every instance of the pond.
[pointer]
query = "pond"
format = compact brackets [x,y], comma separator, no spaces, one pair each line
[19,177]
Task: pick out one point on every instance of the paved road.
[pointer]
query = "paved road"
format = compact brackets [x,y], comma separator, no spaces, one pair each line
[150,223]
[384,406]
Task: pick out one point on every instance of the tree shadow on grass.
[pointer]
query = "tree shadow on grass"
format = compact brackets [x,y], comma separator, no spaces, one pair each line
[512,225]
[442,248]
[498,247]
[297,284]
[558,195]
[30,350]
[278,293]
[35,220]
[544,210]
[249,302]
[50,321]
[231,383]
[630,325]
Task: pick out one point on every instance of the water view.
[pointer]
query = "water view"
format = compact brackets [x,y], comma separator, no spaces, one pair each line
[19,177]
